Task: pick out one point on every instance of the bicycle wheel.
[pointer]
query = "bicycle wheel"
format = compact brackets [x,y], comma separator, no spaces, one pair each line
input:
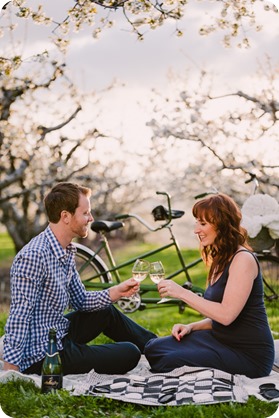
[90,266]
[270,270]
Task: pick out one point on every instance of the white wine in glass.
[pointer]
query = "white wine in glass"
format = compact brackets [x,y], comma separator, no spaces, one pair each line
[157,273]
[156,278]
[140,270]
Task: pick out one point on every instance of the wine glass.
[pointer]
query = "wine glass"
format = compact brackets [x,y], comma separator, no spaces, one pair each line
[140,270]
[157,273]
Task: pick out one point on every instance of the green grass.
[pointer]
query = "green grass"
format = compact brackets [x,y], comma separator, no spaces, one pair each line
[7,248]
[22,399]
[28,402]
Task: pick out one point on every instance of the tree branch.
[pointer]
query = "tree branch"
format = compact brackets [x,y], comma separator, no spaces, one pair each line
[44,131]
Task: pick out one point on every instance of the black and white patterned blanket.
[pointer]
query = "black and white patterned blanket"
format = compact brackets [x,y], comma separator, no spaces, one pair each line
[185,385]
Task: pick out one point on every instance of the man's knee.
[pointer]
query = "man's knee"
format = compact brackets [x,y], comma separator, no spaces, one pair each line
[130,356]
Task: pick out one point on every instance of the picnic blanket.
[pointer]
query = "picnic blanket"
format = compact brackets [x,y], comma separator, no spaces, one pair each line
[184,385]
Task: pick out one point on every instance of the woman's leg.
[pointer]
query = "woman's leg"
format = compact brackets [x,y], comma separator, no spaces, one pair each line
[198,349]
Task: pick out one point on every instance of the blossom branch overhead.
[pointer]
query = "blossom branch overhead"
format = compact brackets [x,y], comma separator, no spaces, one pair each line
[234,18]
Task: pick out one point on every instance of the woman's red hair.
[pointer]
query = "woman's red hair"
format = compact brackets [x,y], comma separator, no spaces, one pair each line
[224,215]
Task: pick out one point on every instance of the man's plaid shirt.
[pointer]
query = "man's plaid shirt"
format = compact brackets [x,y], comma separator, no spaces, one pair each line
[44,282]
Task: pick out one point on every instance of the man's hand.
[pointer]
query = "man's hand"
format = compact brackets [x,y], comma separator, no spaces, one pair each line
[127,288]
[10,366]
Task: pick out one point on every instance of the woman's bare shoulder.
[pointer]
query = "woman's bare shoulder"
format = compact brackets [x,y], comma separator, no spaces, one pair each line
[245,256]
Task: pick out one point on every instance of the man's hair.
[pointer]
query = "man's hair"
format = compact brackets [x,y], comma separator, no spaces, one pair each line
[63,196]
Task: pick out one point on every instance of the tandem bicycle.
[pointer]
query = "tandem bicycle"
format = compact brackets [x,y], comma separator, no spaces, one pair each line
[98,274]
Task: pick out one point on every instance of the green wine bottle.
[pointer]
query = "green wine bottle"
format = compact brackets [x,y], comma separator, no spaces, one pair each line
[52,376]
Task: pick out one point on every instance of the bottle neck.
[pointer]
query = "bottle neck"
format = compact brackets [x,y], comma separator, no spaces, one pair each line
[52,346]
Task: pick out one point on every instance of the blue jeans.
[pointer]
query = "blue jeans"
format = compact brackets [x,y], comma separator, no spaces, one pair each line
[112,358]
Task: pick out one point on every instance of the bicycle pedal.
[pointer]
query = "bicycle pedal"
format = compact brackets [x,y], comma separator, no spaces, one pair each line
[187,285]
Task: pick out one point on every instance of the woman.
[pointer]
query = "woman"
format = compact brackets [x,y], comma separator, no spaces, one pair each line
[234,336]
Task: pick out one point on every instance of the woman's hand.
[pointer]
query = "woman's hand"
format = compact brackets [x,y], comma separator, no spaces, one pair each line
[179,330]
[127,288]
[169,288]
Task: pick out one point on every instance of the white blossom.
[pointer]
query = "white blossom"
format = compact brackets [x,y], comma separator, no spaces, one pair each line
[258,211]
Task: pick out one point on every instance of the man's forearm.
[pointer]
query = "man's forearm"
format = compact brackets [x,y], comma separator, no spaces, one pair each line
[10,366]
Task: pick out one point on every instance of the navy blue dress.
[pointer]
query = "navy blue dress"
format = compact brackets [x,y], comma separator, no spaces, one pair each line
[244,347]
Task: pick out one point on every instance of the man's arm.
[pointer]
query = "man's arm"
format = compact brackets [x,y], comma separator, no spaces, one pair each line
[10,366]
[81,299]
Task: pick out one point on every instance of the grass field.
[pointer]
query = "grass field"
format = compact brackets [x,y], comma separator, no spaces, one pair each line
[7,249]
[21,399]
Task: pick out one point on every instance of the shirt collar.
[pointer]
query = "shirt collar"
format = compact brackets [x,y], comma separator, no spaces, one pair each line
[71,248]
[57,248]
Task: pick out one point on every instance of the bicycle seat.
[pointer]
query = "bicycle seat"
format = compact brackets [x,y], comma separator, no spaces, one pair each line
[106,226]
[160,213]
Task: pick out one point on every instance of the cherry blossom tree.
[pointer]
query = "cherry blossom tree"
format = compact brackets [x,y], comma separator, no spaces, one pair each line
[227,146]
[43,141]
[32,156]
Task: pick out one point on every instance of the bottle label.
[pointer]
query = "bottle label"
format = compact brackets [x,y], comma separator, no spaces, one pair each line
[51,383]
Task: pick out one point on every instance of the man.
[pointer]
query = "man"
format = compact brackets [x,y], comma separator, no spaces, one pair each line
[44,282]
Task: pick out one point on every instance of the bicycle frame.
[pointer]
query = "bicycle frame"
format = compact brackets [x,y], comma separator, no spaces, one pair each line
[108,273]
[114,268]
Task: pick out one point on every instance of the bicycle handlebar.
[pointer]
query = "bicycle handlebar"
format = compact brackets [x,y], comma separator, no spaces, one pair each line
[140,220]
[253,177]
[169,212]
[201,195]
[146,224]
[169,209]
[122,216]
